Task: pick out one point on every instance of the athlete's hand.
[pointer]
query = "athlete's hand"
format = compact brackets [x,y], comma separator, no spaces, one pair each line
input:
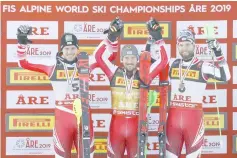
[22,32]
[154,29]
[115,29]
[215,46]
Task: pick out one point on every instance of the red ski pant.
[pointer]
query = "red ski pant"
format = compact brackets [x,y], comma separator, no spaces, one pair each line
[122,135]
[66,134]
[184,125]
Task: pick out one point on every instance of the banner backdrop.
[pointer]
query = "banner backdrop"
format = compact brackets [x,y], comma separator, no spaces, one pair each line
[27,98]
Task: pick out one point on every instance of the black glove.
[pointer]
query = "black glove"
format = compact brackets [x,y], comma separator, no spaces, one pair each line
[154,29]
[115,29]
[22,33]
[215,46]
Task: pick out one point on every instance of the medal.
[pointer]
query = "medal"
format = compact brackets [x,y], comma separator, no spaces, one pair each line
[182,76]
[70,79]
[128,83]
[182,87]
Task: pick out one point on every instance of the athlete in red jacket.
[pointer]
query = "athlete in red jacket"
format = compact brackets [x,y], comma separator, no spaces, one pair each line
[188,78]
[125,83]
[66,90]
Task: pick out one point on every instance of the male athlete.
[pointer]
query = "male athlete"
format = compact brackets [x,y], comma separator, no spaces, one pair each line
[188,77]
[125,84]
[66,90]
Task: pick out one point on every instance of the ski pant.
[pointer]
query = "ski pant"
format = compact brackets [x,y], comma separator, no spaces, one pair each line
[122,135]
[65,134]
[184,125]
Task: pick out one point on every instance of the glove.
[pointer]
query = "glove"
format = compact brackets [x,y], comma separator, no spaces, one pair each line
[22,33]
[115,29]
[215,46]
[154,29]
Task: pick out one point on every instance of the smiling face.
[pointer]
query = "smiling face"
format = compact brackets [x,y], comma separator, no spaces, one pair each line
[69,52]
[130,62]
[186,50]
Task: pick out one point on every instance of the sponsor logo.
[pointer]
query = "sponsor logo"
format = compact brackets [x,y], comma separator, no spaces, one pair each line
[100,146]
[212,145]
[89,49]
[36,53]
[192,74]
[153,122]
[100,99]
[234,144]
[29,146]
[139,30]
[87,30]
[45,122]
[215,98]
[213,122]
[234,97]
[40,29]
[61,74]
[121,82]
[234,75]
[125,112]
[202,52]
[152,145]
[28,123]
[101,122]
[234,120]
[198,27]
[45,99]
[234,51]
[98,78]
[30,100]
[18,76]
[234,28]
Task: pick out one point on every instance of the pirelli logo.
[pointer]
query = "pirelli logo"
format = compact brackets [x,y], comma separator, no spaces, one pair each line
[29,123]
[89,49]
[213,122]
[121,82]
[100,146]
[139,30]
[19,76]
[192,74]
[61,74]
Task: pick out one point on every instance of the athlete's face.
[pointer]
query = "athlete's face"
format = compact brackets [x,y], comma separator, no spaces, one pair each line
[69,52]
[130,62]
[186,50]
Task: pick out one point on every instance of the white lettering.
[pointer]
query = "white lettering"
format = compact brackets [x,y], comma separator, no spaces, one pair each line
[147,9]
[72,9]
[189,105]
[36,8]
[122,112]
